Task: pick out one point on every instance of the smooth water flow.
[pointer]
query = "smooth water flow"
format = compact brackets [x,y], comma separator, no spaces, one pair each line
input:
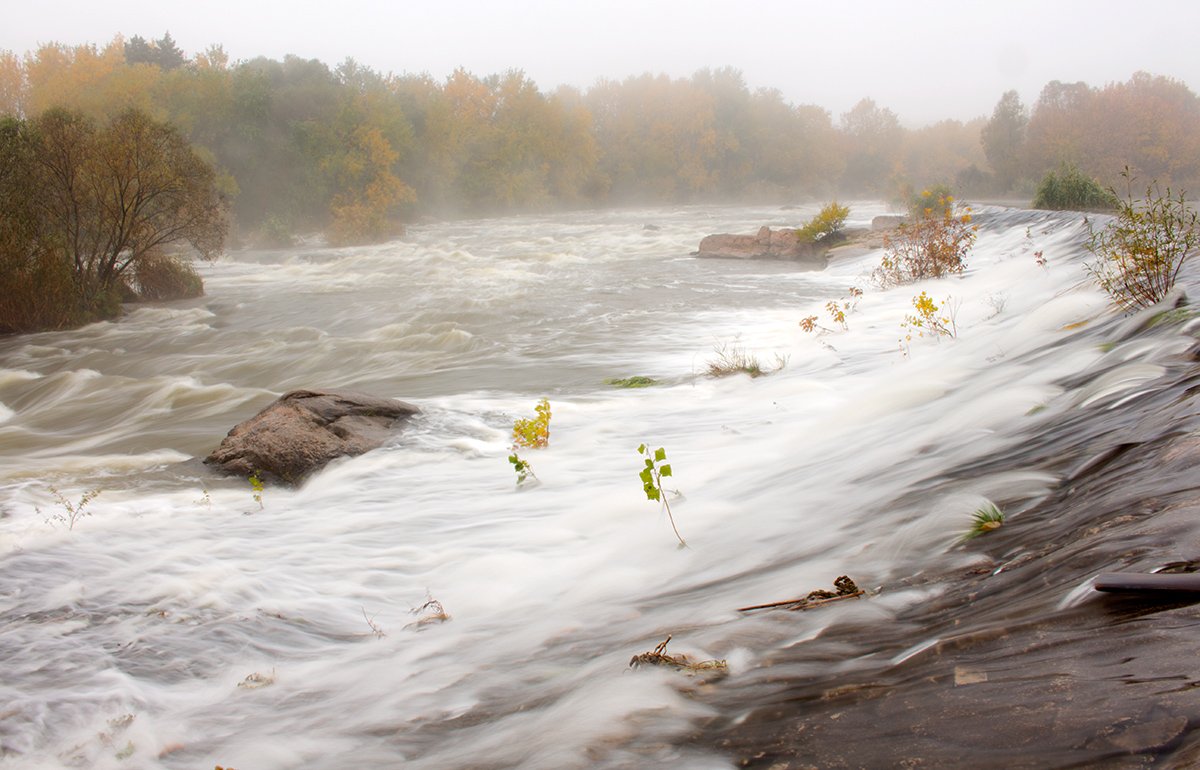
[180,625]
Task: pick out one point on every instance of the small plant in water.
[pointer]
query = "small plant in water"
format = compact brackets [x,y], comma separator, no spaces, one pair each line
[732,359]
[256,486]
[933,319]
[522,467]
[72,512]
[985,519]
[837,310]
[655,470]
[930,317]
[533,433]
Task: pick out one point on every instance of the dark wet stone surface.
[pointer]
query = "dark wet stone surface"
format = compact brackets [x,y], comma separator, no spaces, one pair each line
[1017,662]
[302,431]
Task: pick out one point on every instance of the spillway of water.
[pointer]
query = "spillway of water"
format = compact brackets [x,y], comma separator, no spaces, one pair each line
[127,640]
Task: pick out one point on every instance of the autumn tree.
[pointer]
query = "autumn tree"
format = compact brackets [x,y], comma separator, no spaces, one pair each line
[1150,124]
[363,210]
[873,137]
[941,153]
[657,137]
[537,153]
[282,124]
[1057,128]
[1003,139]
[103,199]
[35,279]
[732,125]
[573,156]
[12,84]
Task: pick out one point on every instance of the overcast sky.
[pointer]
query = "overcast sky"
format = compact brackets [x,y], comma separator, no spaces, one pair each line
[925,61]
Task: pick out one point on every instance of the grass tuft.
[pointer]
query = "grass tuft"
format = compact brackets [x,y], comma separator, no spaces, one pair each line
[986,518]
[637,381]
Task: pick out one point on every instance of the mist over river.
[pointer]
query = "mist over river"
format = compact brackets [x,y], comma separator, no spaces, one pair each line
[127,641]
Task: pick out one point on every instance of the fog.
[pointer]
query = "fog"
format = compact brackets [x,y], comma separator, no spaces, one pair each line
[924,63]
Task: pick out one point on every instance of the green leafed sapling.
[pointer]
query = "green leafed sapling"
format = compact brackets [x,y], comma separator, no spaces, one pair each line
[656,469]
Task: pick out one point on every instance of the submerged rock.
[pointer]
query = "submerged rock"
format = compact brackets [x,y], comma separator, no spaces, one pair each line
[302,431]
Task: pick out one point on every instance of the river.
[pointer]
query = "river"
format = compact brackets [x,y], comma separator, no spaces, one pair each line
[179,623]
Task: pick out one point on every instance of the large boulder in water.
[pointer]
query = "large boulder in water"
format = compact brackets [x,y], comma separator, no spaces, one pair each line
[301,431]
[766,244]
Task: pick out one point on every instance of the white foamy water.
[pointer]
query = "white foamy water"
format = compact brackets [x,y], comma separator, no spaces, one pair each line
[127,640]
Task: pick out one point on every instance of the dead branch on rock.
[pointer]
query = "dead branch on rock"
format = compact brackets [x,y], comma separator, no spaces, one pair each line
[659,657]
[845,588]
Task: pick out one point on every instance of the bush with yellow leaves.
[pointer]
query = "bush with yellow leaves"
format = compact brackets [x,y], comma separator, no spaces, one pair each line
[933,244]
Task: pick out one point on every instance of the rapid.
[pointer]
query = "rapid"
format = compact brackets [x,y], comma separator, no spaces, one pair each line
[181,624]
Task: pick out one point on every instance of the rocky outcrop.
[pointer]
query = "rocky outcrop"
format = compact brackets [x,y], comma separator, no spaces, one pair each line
[301,431]
[885,222]
[766,244]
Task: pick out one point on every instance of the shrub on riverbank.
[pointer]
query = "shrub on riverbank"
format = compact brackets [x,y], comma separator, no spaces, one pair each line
[1140,252]
[935,200]
[1069,189]
[36,294]
[163,277]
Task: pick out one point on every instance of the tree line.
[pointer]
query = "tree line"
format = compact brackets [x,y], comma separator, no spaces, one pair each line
[1150,124]
[296,145]
[301,145]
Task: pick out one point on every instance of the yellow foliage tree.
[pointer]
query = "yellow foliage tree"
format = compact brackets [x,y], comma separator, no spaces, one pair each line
[362,210]
[12,84]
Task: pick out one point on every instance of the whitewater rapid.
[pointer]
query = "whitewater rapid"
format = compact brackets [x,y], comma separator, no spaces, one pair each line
[180,624]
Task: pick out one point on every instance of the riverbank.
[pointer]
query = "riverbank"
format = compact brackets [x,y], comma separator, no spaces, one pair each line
[1013,660]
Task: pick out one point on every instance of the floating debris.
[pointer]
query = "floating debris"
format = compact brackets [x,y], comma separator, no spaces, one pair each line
[428,613]
[659,657]
[844,588]
[256,680]
[376,629]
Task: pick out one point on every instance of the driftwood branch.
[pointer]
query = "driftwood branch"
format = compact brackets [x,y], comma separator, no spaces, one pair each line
[846,589]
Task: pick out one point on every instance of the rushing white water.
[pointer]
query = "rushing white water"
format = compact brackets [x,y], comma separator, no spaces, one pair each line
[128,638]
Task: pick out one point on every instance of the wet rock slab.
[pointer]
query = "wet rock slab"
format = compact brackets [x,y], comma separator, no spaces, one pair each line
[1016,662]
[302,431]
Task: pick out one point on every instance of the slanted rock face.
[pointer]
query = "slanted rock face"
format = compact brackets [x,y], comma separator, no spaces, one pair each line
[301,431]
[766,244]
